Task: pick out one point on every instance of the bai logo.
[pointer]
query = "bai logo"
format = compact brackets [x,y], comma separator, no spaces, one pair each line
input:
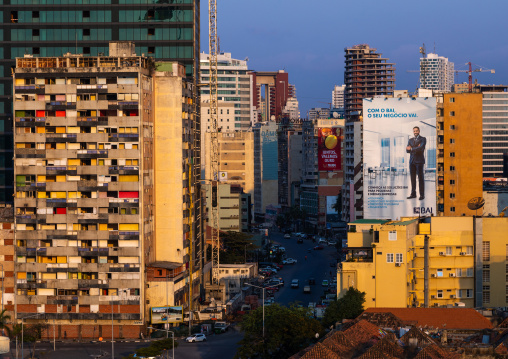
[422,210]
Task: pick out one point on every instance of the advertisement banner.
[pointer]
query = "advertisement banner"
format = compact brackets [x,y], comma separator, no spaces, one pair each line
[329,148]
[162,315]
[399,157]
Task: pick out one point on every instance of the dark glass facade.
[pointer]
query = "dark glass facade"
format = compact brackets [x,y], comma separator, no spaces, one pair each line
[167,30]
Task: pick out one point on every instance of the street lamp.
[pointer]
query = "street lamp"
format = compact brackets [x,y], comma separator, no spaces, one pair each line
[22,329]
[263,288]
[167,336]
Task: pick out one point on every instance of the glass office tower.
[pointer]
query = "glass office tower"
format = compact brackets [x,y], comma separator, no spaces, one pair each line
[163,29]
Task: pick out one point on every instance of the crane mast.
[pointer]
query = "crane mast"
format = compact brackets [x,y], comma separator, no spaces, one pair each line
[214,145]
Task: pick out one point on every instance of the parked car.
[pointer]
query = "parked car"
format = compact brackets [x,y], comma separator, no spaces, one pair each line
[287,236]
[332,243]
[269,301]
[295,283]
[322,241]
[318,248]
[306,289]
[196,338]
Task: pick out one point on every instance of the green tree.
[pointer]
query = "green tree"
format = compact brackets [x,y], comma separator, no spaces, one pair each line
[33,333]
[4,320]
[287,331]
[156,348]
[235,246]
[348,307]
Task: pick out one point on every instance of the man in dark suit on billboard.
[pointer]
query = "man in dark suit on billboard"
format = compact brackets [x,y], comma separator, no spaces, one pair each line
[416,147]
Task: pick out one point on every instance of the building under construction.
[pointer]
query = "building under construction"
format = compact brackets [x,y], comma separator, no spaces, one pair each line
[367,74]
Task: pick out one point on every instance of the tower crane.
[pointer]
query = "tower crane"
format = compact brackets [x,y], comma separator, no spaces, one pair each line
[214,145]
[470,73]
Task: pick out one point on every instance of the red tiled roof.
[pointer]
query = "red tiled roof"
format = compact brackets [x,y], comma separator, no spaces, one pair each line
[320,351]
[363,332]
[433,351]
[423,339]
[385,348]
[439,318]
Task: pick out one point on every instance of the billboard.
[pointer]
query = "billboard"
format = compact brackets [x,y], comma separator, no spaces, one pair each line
[399,157]
[161,315]
[329,149]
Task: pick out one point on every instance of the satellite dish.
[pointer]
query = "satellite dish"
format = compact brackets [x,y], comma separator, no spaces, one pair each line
[476,203]
[335,115]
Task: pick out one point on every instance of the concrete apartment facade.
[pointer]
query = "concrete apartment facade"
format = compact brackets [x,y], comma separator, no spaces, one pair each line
[91,209]
[234,207]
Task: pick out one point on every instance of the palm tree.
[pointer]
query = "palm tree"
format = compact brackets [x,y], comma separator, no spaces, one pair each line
[4,318]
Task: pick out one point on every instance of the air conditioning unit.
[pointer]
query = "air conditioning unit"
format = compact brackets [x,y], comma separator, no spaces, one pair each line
[462,253]
[433,297]
[398,264]
[452,274]
[433,275]
[442,253]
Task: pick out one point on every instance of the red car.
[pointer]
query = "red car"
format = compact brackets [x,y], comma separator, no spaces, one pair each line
[318,248]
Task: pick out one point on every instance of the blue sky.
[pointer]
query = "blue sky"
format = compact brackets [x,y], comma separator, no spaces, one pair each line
[307,38]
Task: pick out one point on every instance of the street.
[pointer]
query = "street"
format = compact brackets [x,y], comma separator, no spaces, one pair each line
[316,266]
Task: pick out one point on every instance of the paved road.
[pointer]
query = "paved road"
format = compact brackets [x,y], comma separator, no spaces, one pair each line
[221,346]
[316,266]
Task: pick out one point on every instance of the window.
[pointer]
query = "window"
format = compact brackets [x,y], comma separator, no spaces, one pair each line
[452,209]
[439,272]
[452,181]
[469,250]
[452,195]
[464,293]
[452,127]
[469,272]
[486,251]
[452,140]
[486,276]
[469,293]
[448,251]
[459,272]
[486,294]
[398,258]
[452,154]
[452,168]
[452,99]
[392,235]
[440,293]
[389,257]
[452,113]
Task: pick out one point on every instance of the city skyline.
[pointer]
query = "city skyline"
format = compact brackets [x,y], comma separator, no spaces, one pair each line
[277,39]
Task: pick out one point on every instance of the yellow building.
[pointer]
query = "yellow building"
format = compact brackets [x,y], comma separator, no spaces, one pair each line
[459,157]
[410,264]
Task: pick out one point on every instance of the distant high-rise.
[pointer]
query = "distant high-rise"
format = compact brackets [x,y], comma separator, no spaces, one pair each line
[367,74]
[436,73]
[271,91]
[164,30]
[338,96]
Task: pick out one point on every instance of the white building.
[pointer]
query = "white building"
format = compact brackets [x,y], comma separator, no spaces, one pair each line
[292,109]
[338,96]
[436,73]
[234,93]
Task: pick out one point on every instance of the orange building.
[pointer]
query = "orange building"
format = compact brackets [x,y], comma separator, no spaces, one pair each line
[459,157]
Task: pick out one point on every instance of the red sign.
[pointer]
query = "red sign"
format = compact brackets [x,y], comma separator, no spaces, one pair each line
[329,147]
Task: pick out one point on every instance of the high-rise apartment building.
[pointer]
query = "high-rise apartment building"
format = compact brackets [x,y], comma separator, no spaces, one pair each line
[102,145]
[495,121]
[234,93]
[436,73]
[318,113]
[338,96]
[168,31]
[367,74]
[459,156]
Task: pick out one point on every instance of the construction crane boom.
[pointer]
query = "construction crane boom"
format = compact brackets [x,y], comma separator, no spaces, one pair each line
[470,71]
[214,145]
